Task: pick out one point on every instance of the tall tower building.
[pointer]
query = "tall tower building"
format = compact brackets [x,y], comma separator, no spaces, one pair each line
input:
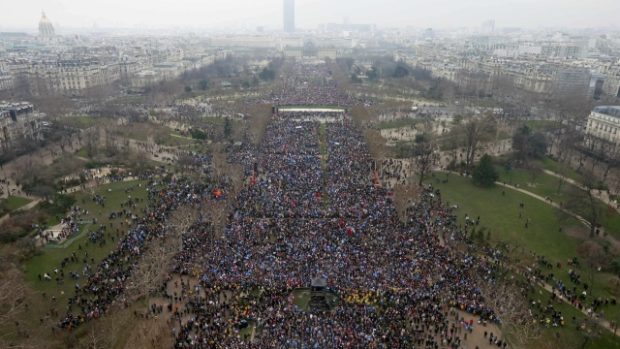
[289,16]
[46,29]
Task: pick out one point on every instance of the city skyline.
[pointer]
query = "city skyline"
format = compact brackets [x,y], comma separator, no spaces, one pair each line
[70,14]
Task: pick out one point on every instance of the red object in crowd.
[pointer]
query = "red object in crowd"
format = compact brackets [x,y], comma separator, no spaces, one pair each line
[350,231]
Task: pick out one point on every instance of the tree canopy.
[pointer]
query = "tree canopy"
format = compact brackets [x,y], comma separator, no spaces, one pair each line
[528,144]
[485,174]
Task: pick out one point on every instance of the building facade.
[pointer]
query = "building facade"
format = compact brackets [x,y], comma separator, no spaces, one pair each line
[18,122]
[571,82]
[611,83]
[46,29]
[69,77]
[603,127]
[6,81]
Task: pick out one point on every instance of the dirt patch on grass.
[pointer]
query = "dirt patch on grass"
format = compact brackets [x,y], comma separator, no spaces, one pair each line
[581,233]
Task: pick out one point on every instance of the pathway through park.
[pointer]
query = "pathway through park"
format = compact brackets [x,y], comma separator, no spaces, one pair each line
[604,323]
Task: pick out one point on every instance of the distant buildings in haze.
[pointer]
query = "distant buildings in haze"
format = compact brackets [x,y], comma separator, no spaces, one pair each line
[289,16]
[604,125]
[18,122]
[46,29]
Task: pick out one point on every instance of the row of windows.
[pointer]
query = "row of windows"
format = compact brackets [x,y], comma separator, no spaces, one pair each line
[603,127]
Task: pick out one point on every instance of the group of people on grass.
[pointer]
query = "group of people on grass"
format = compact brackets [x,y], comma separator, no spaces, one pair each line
[105,283]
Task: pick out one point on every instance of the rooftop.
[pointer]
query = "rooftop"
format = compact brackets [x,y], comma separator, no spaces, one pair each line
[4,105]
[609,110]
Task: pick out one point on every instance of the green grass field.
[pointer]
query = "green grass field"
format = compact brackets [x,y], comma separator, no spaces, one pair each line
[568,336]
[51,256]
[175,140]
[548,186]
[560,168]
[36,318]
[81,122]
[541,125]
[83,152]
[12,203]
[500,214]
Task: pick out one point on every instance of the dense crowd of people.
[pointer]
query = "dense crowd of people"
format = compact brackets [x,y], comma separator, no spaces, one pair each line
[309,84]
[310,210]
[106,281]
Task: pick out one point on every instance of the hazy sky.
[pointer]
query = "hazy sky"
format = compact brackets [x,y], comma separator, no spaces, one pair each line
[310,13]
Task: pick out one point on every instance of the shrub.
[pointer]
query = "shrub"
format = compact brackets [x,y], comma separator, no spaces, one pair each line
[485,174]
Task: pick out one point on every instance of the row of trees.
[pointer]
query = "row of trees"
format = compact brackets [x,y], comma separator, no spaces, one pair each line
[383,67]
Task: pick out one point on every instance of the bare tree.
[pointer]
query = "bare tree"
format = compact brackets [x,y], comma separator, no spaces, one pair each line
[150,333]
[97,339]
[595,257]
[404,194]
[218,159]
[610,161]
[572,106]
[225,171]
[565,137]
[564,140]
[583,202]
[91,136]
[591,331]
[361,116]
[155,265]
[216,212]
[13,293]
[605,153]
[510,304]
[258,118]
[424,156]
[475,132]
[376,144]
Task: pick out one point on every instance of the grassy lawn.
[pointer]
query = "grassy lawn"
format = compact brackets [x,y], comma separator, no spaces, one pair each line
[139,131]
[541,125]
[538,183]
[559,168]
[83,152]
[81,122]
[12,203]
[500,214]
[175,140]
[176,135]
[52,255]
[547,186]
[569,336]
